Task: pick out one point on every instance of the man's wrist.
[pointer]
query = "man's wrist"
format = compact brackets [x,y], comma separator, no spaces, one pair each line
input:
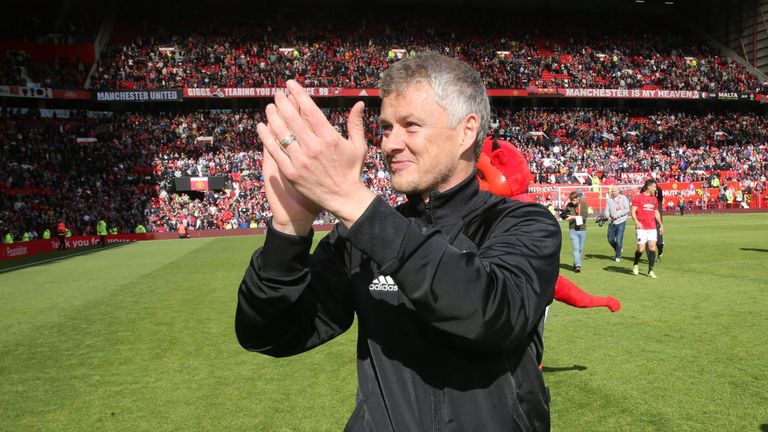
[350,207]
[292,227]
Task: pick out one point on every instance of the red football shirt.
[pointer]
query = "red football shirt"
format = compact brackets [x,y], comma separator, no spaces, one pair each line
[646,208]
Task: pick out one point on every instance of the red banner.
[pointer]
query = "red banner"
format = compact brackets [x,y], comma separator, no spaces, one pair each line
[43,93]
[507,92]
[268,92]
[72,94]
[259,92]
[535,91]
[674,191]
[630,93]
[31,248]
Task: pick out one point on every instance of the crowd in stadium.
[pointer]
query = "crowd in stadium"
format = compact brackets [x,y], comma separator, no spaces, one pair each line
[515,52]
[508,56]
[677,146]
[49,175]
[120,167]
[47,24]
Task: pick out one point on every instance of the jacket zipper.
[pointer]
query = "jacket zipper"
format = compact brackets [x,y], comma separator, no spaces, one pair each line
[435,412]
[428,212]
[430,216]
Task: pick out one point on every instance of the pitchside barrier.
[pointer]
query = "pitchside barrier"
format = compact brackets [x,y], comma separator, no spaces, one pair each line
[691,193]
[558,194]
[30,248]
[594,196]
[696,199]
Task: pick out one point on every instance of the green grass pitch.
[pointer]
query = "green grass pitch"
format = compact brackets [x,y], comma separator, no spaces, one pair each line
[140,338]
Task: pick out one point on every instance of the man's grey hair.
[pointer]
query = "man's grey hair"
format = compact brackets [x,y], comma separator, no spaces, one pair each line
[458,89]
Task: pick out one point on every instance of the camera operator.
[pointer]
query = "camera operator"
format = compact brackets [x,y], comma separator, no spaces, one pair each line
[617,211]
[576,214]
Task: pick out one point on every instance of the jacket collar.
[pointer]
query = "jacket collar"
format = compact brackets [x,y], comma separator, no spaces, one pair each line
[448,205]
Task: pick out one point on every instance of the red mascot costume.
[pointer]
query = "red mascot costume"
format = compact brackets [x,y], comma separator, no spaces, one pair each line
[503,170]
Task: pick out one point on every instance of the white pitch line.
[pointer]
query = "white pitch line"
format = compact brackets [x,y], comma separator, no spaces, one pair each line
[56,259]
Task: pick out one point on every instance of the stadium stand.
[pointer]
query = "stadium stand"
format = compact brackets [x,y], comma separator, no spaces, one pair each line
[121,166]
[37,40]
[86,161]
[620,53]
[514,52]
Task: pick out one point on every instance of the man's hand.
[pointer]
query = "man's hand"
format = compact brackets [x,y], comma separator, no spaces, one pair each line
[321,165]
[291,212]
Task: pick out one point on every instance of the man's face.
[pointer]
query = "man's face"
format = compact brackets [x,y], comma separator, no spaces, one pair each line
[422,150]
[652,188]
[614,192]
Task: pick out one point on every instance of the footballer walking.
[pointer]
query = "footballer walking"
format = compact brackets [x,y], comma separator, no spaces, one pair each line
[645,213]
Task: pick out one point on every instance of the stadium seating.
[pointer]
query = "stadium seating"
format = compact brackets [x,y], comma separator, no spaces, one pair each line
[122,166]
[515,51]
[508,56]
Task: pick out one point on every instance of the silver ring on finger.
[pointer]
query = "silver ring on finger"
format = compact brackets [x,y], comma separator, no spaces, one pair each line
[288,140]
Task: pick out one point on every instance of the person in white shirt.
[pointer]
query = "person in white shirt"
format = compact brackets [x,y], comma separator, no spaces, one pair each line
[617,211]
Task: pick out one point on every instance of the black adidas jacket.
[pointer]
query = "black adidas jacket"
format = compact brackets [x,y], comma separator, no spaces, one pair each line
[448,295]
